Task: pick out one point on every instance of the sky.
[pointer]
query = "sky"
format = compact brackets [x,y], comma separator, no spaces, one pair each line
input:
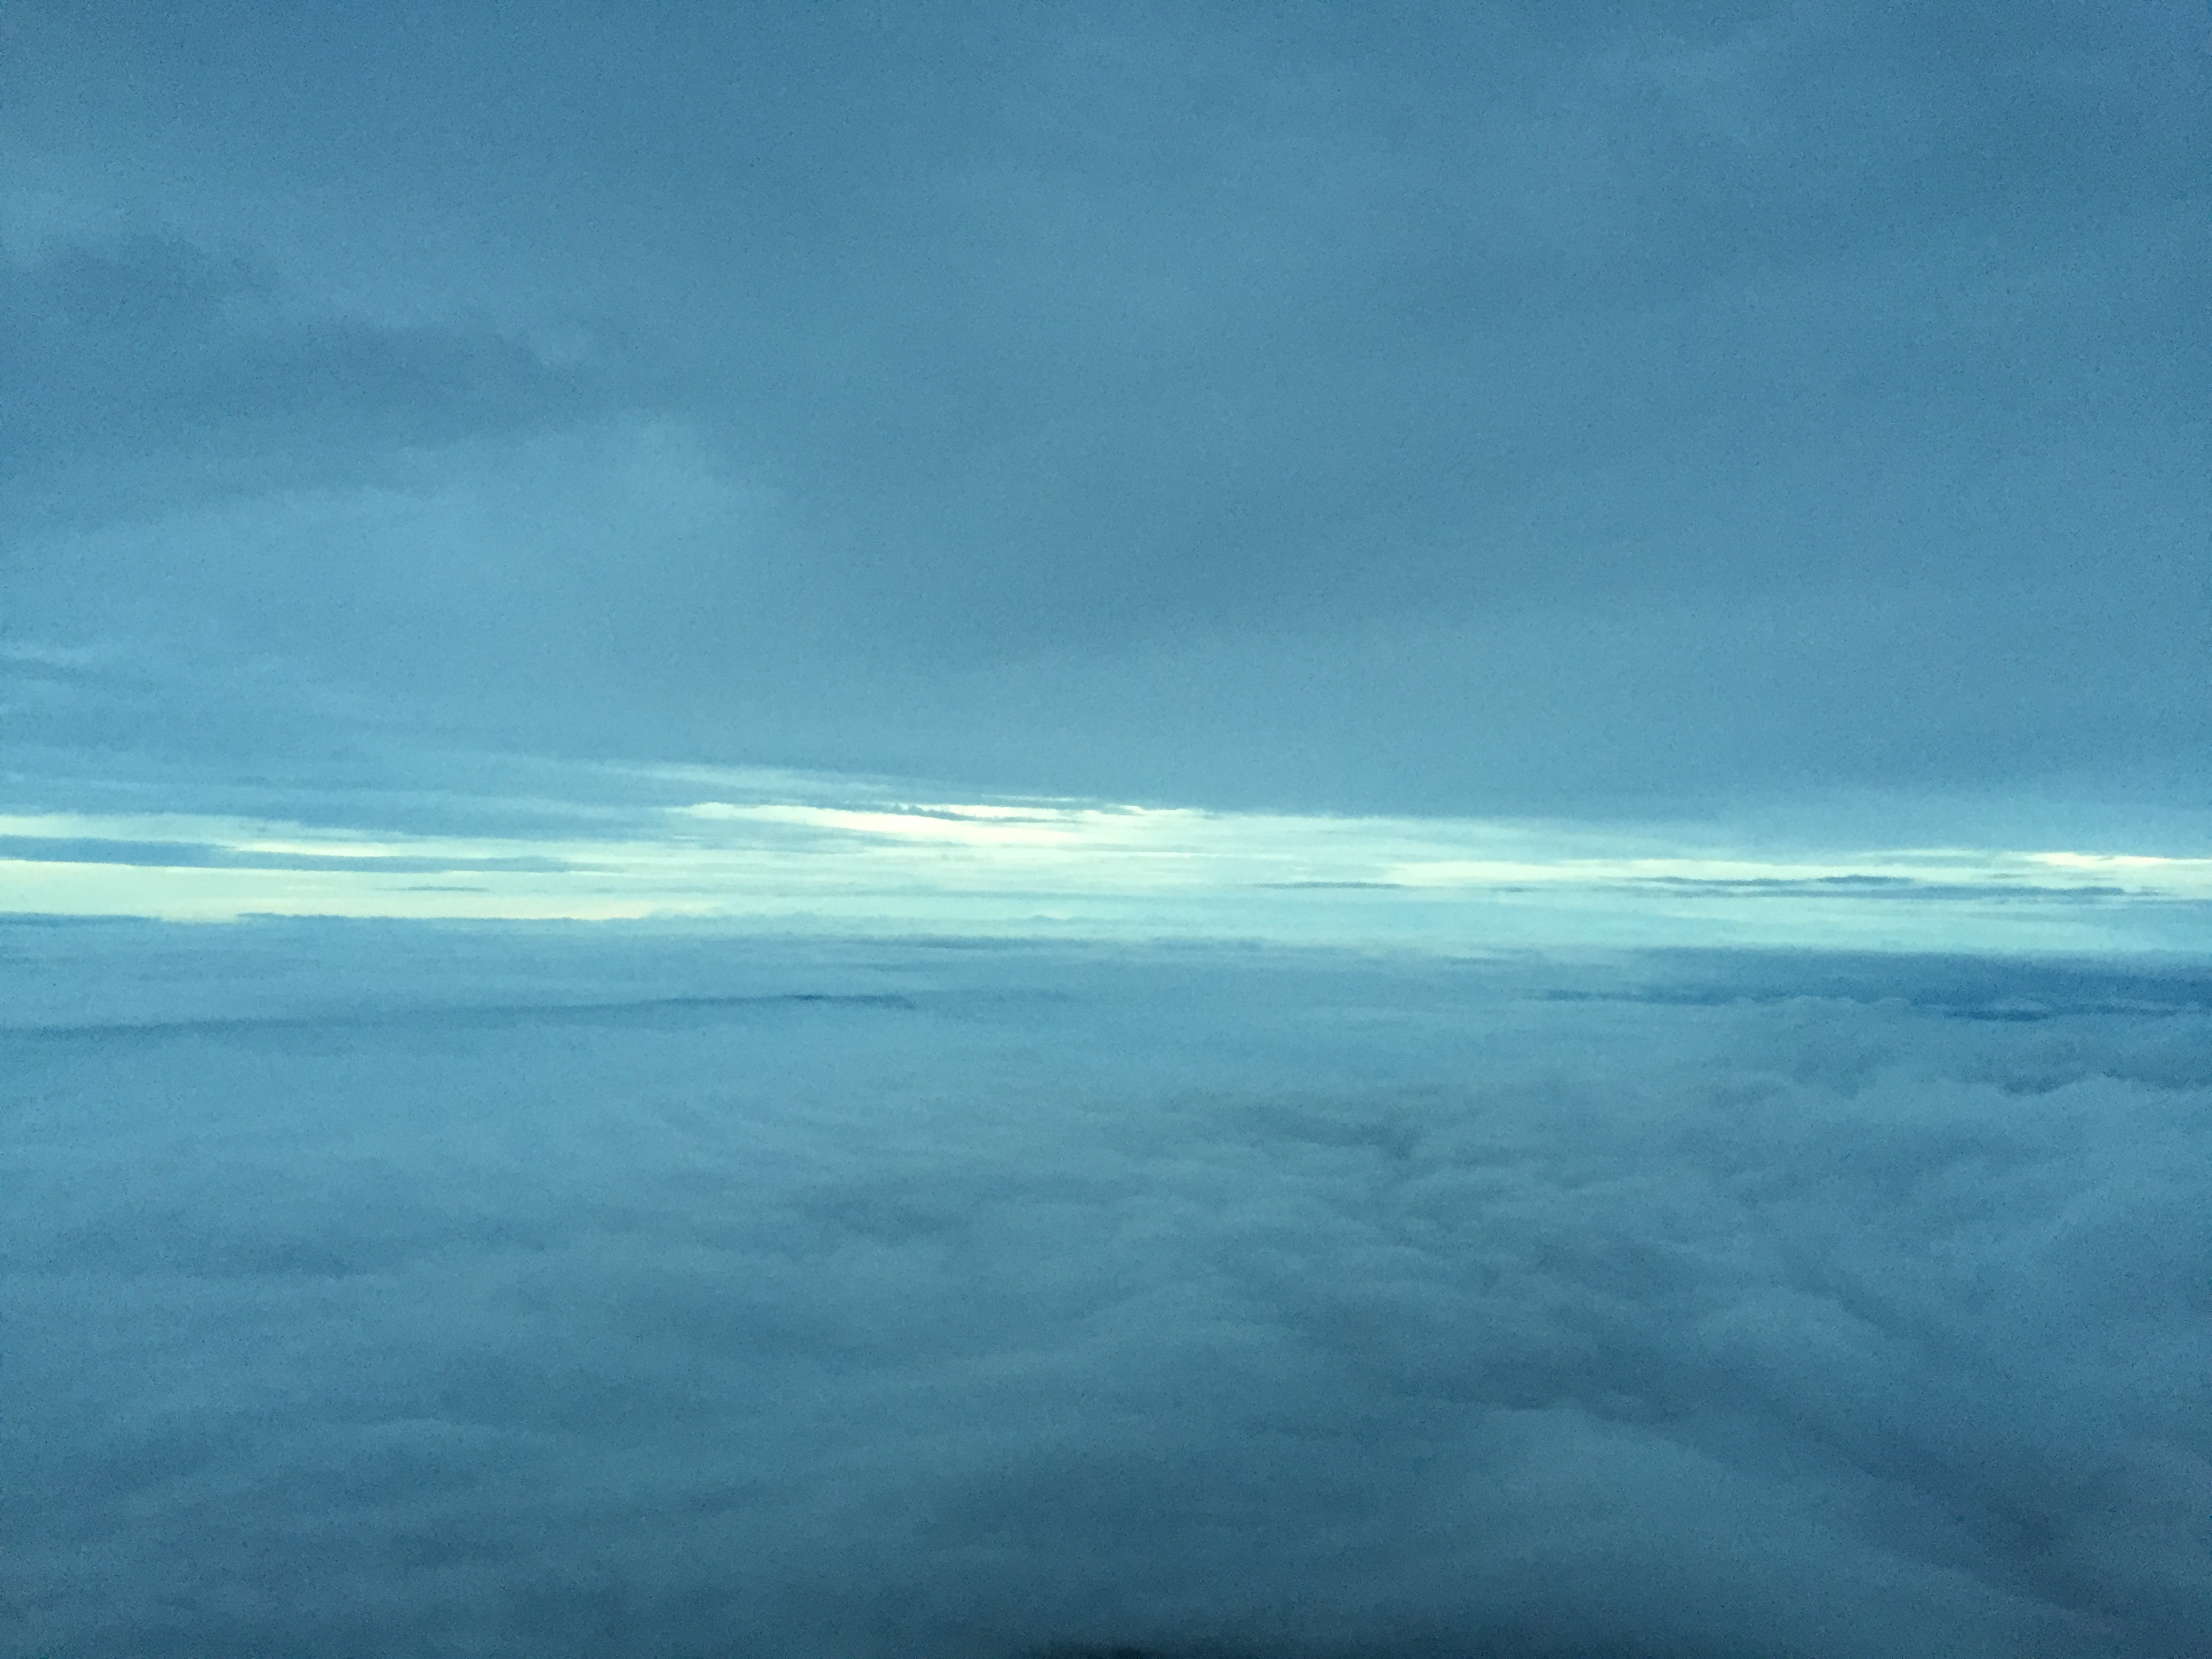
[816,852]
[1554,410]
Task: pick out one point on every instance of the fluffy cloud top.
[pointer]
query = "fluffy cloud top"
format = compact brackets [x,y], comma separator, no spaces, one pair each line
[532,1290]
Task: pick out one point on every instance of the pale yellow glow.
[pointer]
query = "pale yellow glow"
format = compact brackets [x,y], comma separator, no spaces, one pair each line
[1057,867]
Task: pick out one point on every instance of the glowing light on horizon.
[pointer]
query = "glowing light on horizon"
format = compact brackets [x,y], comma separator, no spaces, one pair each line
[1069,868]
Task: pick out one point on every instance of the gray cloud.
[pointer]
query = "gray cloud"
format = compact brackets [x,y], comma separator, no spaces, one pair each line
[145,352]
[397,1288]
[1027,375]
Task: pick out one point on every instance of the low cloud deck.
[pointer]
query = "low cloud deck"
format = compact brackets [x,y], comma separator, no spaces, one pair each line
[489,1290]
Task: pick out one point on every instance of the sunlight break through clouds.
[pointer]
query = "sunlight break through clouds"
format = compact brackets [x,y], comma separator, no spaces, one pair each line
[855,858]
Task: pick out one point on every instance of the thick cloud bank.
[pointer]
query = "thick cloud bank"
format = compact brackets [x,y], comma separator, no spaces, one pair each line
[1395,407]
[378,1290]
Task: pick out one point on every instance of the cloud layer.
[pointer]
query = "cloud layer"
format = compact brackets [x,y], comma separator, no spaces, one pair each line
[1403,407]
[501,1292]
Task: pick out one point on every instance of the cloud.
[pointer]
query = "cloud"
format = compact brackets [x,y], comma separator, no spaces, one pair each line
[1400,410]
[183,854]
[849,854]
[555,1291]
[148,350]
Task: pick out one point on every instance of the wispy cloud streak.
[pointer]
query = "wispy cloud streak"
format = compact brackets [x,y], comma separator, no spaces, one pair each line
[849,854]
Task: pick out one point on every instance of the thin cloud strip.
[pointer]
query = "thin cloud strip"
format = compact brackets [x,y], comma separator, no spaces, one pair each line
[1061,868]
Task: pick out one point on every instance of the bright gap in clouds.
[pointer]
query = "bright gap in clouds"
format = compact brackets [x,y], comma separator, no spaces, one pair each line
[842,854]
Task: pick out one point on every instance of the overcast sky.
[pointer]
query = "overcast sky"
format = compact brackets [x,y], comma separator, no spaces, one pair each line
[1378,407]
